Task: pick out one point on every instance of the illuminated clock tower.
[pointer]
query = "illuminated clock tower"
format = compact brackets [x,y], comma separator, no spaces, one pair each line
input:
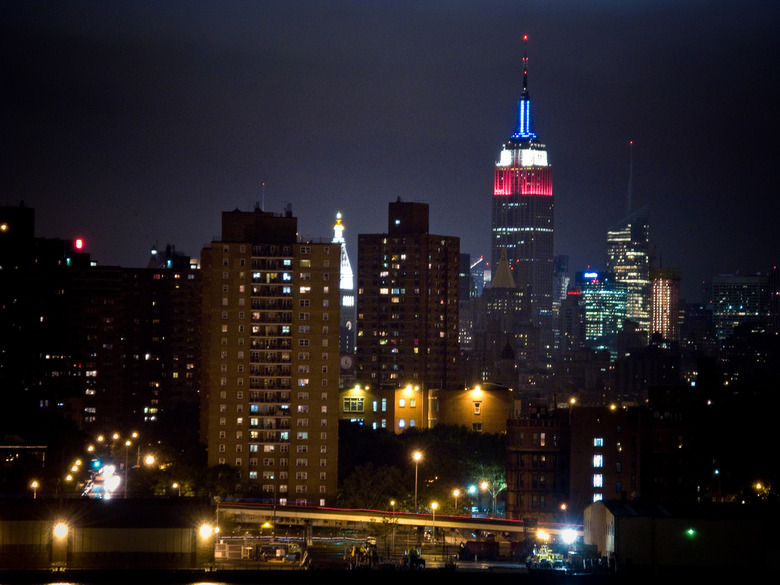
[522,222]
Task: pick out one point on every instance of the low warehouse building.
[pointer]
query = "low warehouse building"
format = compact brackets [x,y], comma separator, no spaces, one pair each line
[632,536]
[106,534]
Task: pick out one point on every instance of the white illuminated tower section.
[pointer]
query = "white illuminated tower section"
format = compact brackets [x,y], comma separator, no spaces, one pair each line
[522,223]
[347,286]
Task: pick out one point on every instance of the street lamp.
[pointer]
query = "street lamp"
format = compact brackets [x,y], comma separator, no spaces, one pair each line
[484,486]
[456,493]
[177,486]
[416,456]
[392,545]
[127,475]
[434,505]
[34,486]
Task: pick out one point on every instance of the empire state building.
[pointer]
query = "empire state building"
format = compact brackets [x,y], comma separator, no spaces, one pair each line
[522,222]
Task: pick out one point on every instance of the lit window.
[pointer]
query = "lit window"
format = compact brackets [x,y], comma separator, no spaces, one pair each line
[598,461]
[598,480]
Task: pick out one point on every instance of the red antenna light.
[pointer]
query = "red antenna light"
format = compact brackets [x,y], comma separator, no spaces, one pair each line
[79,243]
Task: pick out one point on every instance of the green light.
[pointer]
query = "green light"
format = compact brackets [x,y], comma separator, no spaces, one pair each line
[690,533]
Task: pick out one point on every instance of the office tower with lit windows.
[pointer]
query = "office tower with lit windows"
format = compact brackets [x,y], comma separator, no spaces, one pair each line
[628,259]
[522,216]
[407,316]
[739,300]
[665,304]
[603,300]
[271,357]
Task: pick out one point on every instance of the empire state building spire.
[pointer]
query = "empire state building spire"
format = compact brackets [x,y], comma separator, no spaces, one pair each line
[524,129]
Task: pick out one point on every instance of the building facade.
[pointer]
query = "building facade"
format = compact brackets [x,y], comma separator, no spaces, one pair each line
[628,259]
[271,357]
[665,304]
[522,217]
[603,301]
[111,348]
[407,310]
[737,300]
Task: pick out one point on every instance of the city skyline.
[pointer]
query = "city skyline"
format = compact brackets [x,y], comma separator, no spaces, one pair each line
[135,125]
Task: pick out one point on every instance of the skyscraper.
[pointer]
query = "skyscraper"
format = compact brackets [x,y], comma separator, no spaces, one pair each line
[604,304]
[628,258]
[522,218]
[271,357]
[665,304]
[739,299]
[347,288]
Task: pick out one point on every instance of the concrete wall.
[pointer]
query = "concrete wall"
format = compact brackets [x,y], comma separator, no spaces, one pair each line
[135,534]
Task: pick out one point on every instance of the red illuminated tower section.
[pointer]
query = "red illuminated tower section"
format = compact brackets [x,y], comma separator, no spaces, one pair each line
[523,216]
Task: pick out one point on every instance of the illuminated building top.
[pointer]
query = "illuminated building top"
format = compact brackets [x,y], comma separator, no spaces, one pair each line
[347,280]
[523,150]
[533,153]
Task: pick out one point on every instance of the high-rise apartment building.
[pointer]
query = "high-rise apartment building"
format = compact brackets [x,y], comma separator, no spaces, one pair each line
[407,315]
[114,349]
[522,217]
[271,357]
[628,259]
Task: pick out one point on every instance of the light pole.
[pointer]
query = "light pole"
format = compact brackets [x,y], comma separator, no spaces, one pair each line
[434,505]
[484,486]
[34,486]
[392,540]
[127,475]
[416,456]
[177,486]
[456,493]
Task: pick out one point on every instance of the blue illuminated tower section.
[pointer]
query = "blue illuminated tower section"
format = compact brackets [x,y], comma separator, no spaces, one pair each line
[522,222]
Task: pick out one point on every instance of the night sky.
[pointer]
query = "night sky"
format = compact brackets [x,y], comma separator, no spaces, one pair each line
[135,123]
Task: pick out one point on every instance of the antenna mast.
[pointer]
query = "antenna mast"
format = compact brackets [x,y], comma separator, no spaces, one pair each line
[630,176]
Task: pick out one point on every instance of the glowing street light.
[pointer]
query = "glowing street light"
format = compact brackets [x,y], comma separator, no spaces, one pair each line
[60,530]
[206,531]
[177,486]
[416,456]
[456,493]
[34,486]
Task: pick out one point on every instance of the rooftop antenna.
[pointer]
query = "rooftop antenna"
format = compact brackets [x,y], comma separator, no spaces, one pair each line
[262,196]
[525,65]
[630,175]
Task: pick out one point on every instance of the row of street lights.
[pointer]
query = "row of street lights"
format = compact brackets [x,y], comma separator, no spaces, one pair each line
[494,489]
